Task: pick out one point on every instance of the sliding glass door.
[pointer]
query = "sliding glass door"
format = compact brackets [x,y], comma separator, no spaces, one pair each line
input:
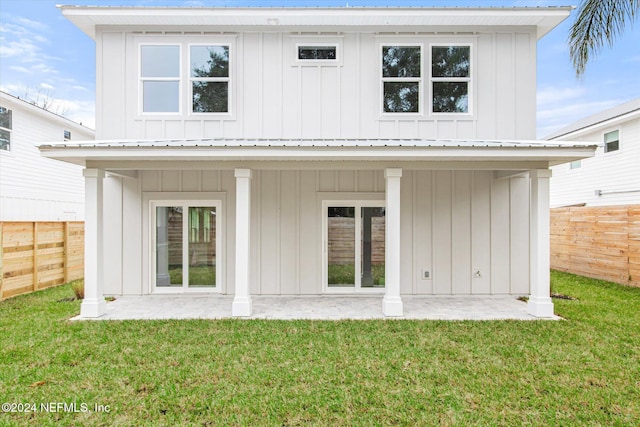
[186,245]
[354,239]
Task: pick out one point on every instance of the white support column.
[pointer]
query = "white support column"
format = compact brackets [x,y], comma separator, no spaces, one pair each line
[93,304]
[391,303]
[540,304]
[241,306]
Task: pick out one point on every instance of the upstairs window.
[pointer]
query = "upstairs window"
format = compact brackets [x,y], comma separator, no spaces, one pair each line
[401,79]
[611,141]
[5,128]
[209,74]
[319,50]
[450,79]
[160,76]
[317,53]
[67,135]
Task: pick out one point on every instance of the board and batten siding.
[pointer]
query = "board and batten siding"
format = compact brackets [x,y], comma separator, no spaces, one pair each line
[469,230]
[34,188]
[616,171]
[274,97]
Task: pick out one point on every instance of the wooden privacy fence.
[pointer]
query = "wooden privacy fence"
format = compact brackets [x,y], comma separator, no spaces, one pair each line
[598,242]
[38,255]
[341,234]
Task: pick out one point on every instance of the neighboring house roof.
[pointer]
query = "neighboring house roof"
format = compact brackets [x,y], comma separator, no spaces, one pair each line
[631,107]
[318,150]
[43,113]
[404,19]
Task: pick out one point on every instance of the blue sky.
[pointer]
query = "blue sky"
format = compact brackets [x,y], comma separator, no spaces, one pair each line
[42,52]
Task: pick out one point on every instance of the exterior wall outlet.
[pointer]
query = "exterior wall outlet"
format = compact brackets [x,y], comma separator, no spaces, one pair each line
[426,275]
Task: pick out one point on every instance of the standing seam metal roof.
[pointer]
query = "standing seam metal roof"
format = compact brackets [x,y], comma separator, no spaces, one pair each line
[312,143]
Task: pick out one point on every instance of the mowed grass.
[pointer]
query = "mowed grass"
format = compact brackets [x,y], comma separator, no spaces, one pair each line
[341,274]
[584,370]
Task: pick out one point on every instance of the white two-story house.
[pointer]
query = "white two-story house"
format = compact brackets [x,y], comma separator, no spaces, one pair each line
[612,176]
[33,188]
[294,151]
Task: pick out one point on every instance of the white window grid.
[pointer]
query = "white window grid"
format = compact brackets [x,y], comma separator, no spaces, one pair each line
[467,79]
[160,79]
[418,80]
[210,79]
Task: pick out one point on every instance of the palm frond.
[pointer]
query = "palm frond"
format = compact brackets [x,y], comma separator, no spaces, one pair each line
[598,22]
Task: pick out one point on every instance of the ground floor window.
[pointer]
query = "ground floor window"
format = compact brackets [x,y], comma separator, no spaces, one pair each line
[186,245]
[354,239]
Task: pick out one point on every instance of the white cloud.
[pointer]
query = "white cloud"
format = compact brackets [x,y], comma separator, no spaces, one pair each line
[19,69]
[36,25]
[80,111]
[561,114]
[47,86]
[22,45]
[561,105]
[558,95]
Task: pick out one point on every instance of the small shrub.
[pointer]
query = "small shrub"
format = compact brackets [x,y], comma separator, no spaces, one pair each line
[78,288]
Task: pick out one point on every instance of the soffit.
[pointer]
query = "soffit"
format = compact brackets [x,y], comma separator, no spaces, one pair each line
[87,18]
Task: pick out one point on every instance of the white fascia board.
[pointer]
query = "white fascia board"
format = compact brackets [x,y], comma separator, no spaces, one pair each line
[87,18]
[552,155]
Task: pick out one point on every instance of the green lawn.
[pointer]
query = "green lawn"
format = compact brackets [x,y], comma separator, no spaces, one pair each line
[198,276]
[581,371]
[341,274]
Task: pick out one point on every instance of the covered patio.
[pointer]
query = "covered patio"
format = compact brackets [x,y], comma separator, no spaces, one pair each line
[151,307]
[466,226]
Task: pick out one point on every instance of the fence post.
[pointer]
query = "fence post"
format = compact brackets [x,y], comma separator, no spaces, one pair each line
[1,273]
[66,251]
[35,255]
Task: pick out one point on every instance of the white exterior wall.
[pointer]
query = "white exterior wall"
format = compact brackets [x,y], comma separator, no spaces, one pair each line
[274,97]
[616,171]
[469,230]
[34,188]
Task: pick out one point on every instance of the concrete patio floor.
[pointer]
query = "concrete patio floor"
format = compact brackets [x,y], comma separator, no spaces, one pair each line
[316,307]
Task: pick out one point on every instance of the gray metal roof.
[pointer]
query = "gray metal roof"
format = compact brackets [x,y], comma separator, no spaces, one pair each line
[314,143]
[594,119]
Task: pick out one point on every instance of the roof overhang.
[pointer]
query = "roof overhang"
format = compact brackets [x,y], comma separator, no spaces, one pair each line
[392,19]
[474,154]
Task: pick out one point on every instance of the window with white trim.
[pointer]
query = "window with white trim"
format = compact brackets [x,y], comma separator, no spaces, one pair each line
[160,78]
[186,248]
[5,128]
[209,75]
[353,245]
[204,76]
[317,52]
[611,141]
[450,78]
[401,78]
